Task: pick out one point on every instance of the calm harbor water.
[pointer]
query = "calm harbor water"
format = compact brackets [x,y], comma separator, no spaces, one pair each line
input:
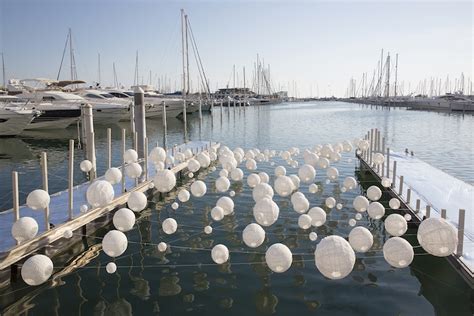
[183,281]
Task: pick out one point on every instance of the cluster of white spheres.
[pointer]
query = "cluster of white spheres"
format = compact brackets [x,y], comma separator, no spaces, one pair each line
[220,254]
[394,203]
[313,188]
[113,175]
[164,180]
[130,155]
[217,213]
[330,202]
[86,165]
[300,202]
[266,212]
[374,193]
[376,210]
[262,190]
[437,237]
[395,225]
[227,204]
[253,179]
[250,164]
[361,239]
[280,171]
[183,195]
[137,201]
[24,229]
[193,165]
[114,243]
[284,186]
[264,178]
[222,184]
[307,173]
[237,174]
[350,183]
[313,236]
[36,270]
[174,205]
[278,258]
[360,203]
[133,170]
[398,252]
[169,226]
[111,267]
[208,230]
[38,199]
[304,221]
[323,163]
[334,257]
[100,193]
[157,154]
[332,173]
[386,182]
[198,188]
[124,219]
[318,216]
[253,235]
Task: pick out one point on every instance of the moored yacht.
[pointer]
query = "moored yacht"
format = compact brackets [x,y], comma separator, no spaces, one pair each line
[107,108]
[14,119]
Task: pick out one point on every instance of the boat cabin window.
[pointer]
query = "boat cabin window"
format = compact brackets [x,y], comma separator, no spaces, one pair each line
[107,95]
[130,94]
[93,96]
[119,95]
[48,98]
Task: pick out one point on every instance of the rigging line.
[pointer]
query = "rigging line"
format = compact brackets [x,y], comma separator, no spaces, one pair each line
[199,56]
[62,59]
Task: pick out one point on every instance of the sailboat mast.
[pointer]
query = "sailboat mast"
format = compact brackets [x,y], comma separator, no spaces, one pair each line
[98,69]
[187,51]
[183,45]
[396,74]
[3,72]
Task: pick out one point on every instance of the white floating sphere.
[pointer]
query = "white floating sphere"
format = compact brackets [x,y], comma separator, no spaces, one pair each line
[264,178]
[307,173]
[198,188]
[36,270]
[164,180]
[313,236]
[84,208]
[253,179]
[130,155]
[360,203]
[231,193]
[157,154]
[24,229]
[358,216]
[330,202]
[217,213]
[398,252]
[313,188]
[253,235]
[237,174]
[437,237]
[124,219]
[169,226]
[133,170]
[339,206]
[174,205]
[394,203]
[334,257]
[335,157]
[350,183]
[386,182]
[347,147]
[169,160]
[162,247]
[100,193]
[137,201]
[114,243]
[208,230]
[223,173]
[190,175]
[374,193]
[280,171]
[363,144]
[284,186]
[213,156]
[343,189]
[67,233]
[111,267]
[294,164]
[326,150]
[332,173]
[378,159]
[220,254]
[266,212]
[188,153]
[296,181]
[262,190]
[38,199]
[251,164]
[113,175]
[376,210]
[318,216]
[227,204]
[193,165]
[285,155]
[278,258]
[159,166]
[222,184]
[407,217]
[352,222]
[395,225]
[300,202]
[184,195]
[86,166]
[323,163]
[361,239]
[304,221]
[204,159]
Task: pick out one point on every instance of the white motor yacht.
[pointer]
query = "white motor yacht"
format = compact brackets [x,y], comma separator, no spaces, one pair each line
[107,108]
[14,119]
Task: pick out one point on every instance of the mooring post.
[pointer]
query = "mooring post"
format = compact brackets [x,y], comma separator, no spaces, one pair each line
[109,148]
[16,199]
[462,214]
[145,153]
[222,110]
[44,171]
[443,213]
[140,122]
[135,142]
[185,120]
[200,119]
[417,209]
[388,162]
[371,146]
[400,189]
[71,179]
[428,211]
[123,159]
[212,115]
[88,123]
[165,127]
[132,119]
[408,196]
[394,174]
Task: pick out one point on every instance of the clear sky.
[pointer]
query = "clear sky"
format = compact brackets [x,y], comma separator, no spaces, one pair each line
[314,45]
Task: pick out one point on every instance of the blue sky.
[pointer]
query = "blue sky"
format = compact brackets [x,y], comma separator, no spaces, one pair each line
[318,45]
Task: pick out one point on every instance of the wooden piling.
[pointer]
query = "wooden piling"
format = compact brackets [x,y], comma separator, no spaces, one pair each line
[400,189]
[71,179]
[44,171]
[417,207]
[462,215]
[428,211]
[408,196]
[388,162]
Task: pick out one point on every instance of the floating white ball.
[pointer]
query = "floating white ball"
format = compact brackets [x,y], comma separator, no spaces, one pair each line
[113,175]
[278,258]
[376,210]
[262,190]
[198,188]
[100,193]
[124,219]
[394,203]
[307,173]
[318,216]
[208,230]
[164,180]
[437,237]
[162,247]
[220,254]
[284,186]
[114,243]
[169,226]
[334,257]
[330,202]
[253,179]
[313,236]
[398,252]
[313,188]
[332,173]
[264,178]
[133,170]
[253,235]
[350,183]
[395,225]
[361,239]
[86,166]
[130,155]
[237,174]
[184,195]
[217,213]
[304,221]
[360,203]
[24,229]
[222,184]
[374,193]
[36,270]
[111,267]
[266,212]
[38,199]
[137,201]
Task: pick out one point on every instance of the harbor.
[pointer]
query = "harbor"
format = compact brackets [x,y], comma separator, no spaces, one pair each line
[165,177]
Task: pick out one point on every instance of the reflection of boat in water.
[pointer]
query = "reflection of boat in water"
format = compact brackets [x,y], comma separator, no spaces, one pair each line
[14,149]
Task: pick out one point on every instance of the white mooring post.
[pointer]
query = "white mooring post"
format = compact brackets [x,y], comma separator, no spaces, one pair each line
[388,162]
[44,171]
[408,196]
[109,148]
[145,153]
[71,179]
[88,125]
[165,127]
[400,189]
[140,122]
[428,211]
[185,121]
[462,214]
[200,119]
[417,207]
[443,213]
[16,199]
[394,174]
[123,159]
